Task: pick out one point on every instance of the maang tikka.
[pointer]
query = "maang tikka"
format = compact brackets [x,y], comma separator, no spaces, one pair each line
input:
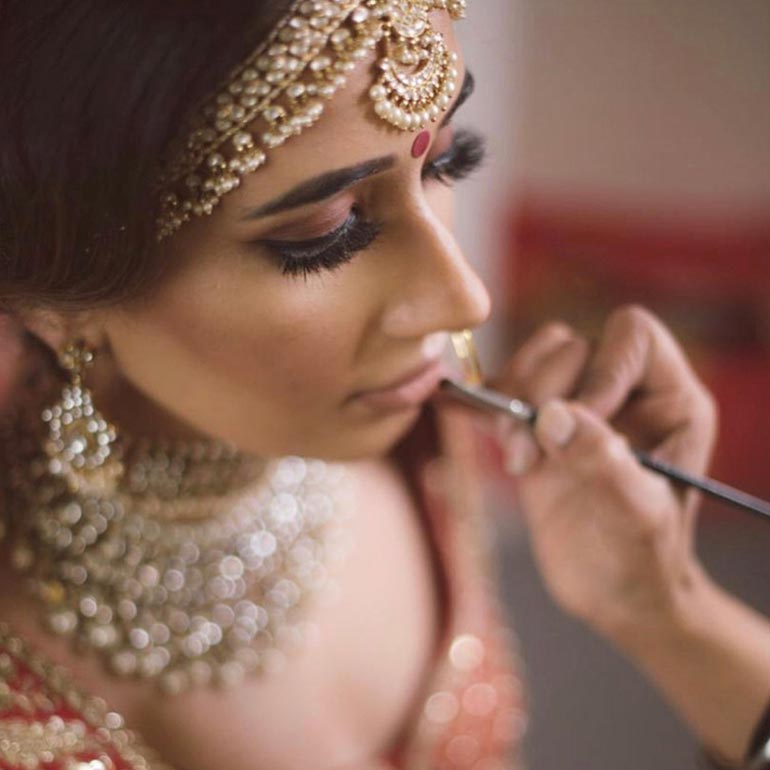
[81,443]
[281,89]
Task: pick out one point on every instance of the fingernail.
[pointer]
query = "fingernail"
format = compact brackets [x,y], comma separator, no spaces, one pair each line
[521,454]
[556,424]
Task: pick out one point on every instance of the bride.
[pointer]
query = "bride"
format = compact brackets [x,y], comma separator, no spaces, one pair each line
[238,530]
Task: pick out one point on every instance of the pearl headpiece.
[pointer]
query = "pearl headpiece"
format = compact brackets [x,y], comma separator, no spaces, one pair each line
[283,85]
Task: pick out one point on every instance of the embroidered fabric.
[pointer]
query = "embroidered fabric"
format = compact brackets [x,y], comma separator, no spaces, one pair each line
[471,716]
[47,723]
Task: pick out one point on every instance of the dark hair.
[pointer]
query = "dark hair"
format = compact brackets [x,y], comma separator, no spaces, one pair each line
[91,94]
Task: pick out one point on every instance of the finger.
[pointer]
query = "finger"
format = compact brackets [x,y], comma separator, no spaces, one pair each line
[578,440]
[678,427]
[690,447]
[511,378]
[558,373]
[527,358]
[555,374]
[521,452]
[636,352]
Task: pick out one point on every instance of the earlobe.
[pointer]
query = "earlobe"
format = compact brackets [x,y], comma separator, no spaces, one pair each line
[55,328]
[46,325]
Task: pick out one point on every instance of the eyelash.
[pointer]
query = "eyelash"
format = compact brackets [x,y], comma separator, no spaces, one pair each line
[356,234]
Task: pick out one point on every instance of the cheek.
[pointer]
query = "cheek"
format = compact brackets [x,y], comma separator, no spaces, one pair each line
[247,334]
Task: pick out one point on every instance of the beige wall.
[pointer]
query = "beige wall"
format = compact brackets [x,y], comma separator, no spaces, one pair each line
[482,201]
[657,103]
[662,106]
[659,106]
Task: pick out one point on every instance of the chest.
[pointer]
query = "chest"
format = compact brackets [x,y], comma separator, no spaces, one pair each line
[340,702]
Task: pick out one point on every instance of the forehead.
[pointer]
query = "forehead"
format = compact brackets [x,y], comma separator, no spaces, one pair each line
[348,132]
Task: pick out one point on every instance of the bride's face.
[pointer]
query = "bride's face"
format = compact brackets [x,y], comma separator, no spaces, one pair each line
[329,273]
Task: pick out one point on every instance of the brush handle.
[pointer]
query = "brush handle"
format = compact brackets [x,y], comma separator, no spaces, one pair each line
[491,400]
[710,487]
[473,395]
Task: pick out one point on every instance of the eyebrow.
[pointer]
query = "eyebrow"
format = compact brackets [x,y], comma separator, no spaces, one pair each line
[468,87]
[334,182]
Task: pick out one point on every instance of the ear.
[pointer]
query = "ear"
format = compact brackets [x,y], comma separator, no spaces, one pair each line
[56,329]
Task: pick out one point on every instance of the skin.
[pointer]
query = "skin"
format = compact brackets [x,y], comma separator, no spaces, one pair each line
[226,346]
[227,335]
[615,542]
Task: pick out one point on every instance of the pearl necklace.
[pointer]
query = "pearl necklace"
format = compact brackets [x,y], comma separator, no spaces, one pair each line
[198,570]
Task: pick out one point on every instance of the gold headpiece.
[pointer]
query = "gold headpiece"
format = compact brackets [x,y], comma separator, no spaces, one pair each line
[285,82]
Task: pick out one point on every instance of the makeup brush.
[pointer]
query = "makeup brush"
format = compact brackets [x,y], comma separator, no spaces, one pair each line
[473,394]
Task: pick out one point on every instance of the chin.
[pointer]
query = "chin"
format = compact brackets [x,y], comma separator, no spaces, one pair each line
[376,438]
[339,439]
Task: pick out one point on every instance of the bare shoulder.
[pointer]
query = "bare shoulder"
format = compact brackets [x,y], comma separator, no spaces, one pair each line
[351,691]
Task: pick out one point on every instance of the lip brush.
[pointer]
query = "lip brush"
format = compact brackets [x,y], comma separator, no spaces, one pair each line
[477,396]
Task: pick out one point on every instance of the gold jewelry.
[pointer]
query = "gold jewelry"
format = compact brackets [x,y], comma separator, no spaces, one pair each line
[284,84]
[197,570]
[80,441]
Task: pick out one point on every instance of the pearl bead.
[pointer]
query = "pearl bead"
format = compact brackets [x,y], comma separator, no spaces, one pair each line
[378,93]
[326,40]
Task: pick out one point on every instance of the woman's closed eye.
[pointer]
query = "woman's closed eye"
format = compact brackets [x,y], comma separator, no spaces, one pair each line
[356,234]
[326,252]
[465,155]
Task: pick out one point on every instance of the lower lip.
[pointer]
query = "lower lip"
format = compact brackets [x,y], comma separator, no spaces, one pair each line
[408,395]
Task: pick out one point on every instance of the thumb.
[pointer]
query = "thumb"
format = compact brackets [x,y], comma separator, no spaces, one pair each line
[582,445]
[573,433]
[619,365]
[636,353]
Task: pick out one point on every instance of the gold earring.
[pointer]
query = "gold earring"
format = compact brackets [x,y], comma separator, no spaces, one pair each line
[80,442]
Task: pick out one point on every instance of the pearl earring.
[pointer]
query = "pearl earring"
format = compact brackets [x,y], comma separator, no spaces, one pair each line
[80,442]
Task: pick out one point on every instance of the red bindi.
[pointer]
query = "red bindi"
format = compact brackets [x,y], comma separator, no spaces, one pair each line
[421,144]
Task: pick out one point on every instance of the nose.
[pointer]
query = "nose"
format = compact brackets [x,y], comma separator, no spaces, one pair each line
[437,289]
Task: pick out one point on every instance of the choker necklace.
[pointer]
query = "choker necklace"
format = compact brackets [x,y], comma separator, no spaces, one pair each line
[198,569]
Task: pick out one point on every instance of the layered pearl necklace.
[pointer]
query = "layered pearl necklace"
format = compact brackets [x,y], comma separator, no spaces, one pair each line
[197,570]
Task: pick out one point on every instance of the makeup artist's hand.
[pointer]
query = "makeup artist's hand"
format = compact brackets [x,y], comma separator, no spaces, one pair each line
[613,540]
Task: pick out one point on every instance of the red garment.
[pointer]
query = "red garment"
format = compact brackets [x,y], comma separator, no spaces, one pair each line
[471,716]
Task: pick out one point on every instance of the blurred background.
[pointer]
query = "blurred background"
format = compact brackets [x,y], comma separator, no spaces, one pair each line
[629,162]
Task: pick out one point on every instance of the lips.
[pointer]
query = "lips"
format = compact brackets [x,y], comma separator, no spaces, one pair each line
[409,391]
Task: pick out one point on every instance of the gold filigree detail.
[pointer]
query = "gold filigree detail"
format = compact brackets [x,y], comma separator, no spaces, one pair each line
[284,84]
[418,72]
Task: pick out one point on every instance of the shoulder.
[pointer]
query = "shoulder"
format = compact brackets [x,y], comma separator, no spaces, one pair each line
[47,722]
